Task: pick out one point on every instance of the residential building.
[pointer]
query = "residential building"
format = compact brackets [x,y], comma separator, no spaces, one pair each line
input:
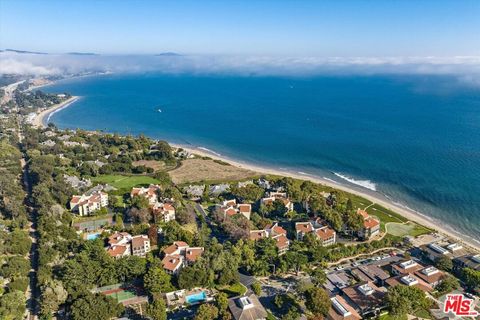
[409,280]
[164,212]
[178,255]
[87,204]
[367,299]
[406,267]
[341,310]
[231,208]
[247,308]
[326,235]
[467,261]
[140,245]
[281,196]
[431,276]
[370,272]
[151,193]
[371,226]
[275,232]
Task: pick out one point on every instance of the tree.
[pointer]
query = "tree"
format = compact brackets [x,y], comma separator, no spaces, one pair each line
[256,288]
[12,305]
[153,235]
[206,311]
[292,314]
[319,277]
[317,301]
[444,263]
[403,300]
[95,307]
[471,277]
[142,215]
[448,284]
[156,280]
[156,310]
[222,302]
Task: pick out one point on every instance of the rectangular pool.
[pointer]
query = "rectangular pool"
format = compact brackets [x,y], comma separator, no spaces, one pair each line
[196,298]
[93,236]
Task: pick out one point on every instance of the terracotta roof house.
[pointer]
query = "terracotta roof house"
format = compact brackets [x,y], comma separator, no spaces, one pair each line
[119,251]
[164,212]
[173,263]
[341,310]
[275,232]
[258,234]
[178,255]
[371,226]
[326,235]
[140,245]
[119,245]
[247,308]
[282,196]
[283,243]
[409,280]
[302,228]
[150,193]
[192,254]
[231,208]
[367,298]
[86,204]
[178,247]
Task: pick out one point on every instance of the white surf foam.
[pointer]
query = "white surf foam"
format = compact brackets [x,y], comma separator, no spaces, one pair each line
[362,183]
[208,150]
[59,109]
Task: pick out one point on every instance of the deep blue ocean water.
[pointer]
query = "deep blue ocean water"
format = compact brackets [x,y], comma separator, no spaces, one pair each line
[414,139]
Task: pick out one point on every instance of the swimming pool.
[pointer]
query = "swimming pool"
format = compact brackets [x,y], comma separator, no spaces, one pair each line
[196,298]
[93,236]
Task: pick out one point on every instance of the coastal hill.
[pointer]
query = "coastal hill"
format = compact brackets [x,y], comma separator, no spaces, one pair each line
[168,54]
[24,51]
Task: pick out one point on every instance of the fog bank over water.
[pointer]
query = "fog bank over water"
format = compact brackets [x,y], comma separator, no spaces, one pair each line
[467,67]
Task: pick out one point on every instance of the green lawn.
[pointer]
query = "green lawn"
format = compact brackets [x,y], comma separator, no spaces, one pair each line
[236,289]
[125,182]
[410,228]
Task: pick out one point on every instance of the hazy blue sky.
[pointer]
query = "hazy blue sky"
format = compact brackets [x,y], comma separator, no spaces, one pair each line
[303,28]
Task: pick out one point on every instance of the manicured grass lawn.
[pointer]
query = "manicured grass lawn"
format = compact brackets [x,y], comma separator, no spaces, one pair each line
[419,230]
[236,289]
[410,228]
[125,182]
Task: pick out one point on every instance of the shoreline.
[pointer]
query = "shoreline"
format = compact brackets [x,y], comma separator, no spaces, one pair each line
[386,203]
[41,119]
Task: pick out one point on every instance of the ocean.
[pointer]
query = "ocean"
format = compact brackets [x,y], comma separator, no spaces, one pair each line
[415,139]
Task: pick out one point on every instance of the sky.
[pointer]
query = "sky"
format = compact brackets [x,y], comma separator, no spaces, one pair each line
[261,28]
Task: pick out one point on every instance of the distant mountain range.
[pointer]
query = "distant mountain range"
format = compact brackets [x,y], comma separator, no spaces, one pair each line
[168,54]
[24,52]
[83,53]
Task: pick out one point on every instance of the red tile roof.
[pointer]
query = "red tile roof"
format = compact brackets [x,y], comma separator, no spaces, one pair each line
[172,262]
[304,227]
[325,233]
[192,254]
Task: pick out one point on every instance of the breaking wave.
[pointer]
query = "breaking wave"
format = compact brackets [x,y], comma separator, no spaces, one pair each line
[362,183]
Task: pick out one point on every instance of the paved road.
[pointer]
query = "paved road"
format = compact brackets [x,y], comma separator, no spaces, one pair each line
[33,293]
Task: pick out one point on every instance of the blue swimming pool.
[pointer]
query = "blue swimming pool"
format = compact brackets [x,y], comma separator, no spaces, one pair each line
[196,298]
[93,236]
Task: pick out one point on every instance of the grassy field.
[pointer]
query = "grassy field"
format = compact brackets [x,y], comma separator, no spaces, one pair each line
[125,182]
[195,170]
[410,228]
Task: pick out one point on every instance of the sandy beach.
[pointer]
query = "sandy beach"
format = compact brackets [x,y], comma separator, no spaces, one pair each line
[409,214]
[40,121]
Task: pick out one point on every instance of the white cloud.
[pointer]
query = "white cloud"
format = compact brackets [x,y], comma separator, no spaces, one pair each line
[261,65]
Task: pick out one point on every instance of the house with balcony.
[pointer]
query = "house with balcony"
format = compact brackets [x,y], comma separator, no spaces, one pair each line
[87,204]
